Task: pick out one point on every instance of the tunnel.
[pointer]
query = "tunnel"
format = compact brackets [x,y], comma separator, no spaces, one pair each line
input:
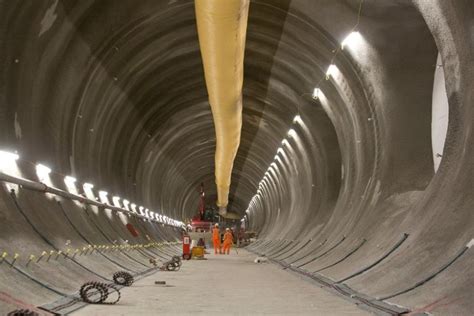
[355,166]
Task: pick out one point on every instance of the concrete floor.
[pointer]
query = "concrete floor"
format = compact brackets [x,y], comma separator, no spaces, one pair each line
[230,285]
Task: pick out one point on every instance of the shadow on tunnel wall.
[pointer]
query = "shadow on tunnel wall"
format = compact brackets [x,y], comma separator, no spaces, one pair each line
[147,78]
[260,13]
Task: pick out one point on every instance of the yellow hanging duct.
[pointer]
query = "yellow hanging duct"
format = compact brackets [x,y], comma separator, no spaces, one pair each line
[222,27]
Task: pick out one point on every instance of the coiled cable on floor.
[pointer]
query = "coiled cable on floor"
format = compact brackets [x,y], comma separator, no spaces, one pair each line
[97,293]
[123,278]
[177,259]
[173,266]
[170,266]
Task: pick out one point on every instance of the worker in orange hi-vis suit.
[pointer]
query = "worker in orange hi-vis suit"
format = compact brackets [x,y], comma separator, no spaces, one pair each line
[228,241]
[216,238]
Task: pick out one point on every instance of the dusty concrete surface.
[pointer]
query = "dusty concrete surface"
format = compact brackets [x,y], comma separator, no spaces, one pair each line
[113,93]
[230,285]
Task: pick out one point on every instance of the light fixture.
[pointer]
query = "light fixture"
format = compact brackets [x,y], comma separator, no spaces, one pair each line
[71,184]
[292,133]
[9,166]
[126,204]
[6,156]
[88,191]
[103,197]
[116,201]
[351,40]
[332,70]
[88,186]
[43,173]
[69,179]
[42,169]
[316,93]
[298,119]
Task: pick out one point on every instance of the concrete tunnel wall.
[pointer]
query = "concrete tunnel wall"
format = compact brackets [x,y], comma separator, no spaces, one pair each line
[112,92]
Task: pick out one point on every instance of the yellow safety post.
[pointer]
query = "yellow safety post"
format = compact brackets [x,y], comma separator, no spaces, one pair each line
[31,258]
[15,257]
[4,255]
[50,254]
[44,253]
[75,253]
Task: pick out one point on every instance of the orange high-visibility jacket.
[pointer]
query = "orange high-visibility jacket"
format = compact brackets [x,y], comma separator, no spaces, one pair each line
[228,239]
[215,233]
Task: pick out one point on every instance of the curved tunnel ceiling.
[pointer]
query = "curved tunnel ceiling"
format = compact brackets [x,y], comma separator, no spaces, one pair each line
[113,92]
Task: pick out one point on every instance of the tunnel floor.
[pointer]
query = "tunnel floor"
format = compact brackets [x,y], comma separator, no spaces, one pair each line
[231,284]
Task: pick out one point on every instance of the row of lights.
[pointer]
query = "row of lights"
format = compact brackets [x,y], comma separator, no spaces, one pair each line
[280,151]
[43,172]
[350,41]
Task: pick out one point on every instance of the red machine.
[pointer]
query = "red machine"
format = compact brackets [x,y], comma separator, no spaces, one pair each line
[202,222]
[186,247]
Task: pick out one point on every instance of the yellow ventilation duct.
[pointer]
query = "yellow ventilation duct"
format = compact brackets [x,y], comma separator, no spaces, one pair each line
[222,26]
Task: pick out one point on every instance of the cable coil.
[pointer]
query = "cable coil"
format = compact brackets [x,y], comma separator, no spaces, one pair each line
[97,293]
[123,278]
[177,259]
[172,265]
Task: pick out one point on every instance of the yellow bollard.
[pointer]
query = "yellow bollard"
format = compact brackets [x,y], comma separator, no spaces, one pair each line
[44,253]
[31,258]
[15,256]
[75,252]
[50,254]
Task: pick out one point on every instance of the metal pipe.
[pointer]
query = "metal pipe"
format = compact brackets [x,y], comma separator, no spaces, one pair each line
[41,187]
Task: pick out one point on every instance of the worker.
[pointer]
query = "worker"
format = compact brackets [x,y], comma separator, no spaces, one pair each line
[228,241]
[216,239]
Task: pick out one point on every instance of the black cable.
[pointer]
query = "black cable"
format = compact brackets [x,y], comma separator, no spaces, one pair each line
[90,290]
[123,278]
[398,244]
